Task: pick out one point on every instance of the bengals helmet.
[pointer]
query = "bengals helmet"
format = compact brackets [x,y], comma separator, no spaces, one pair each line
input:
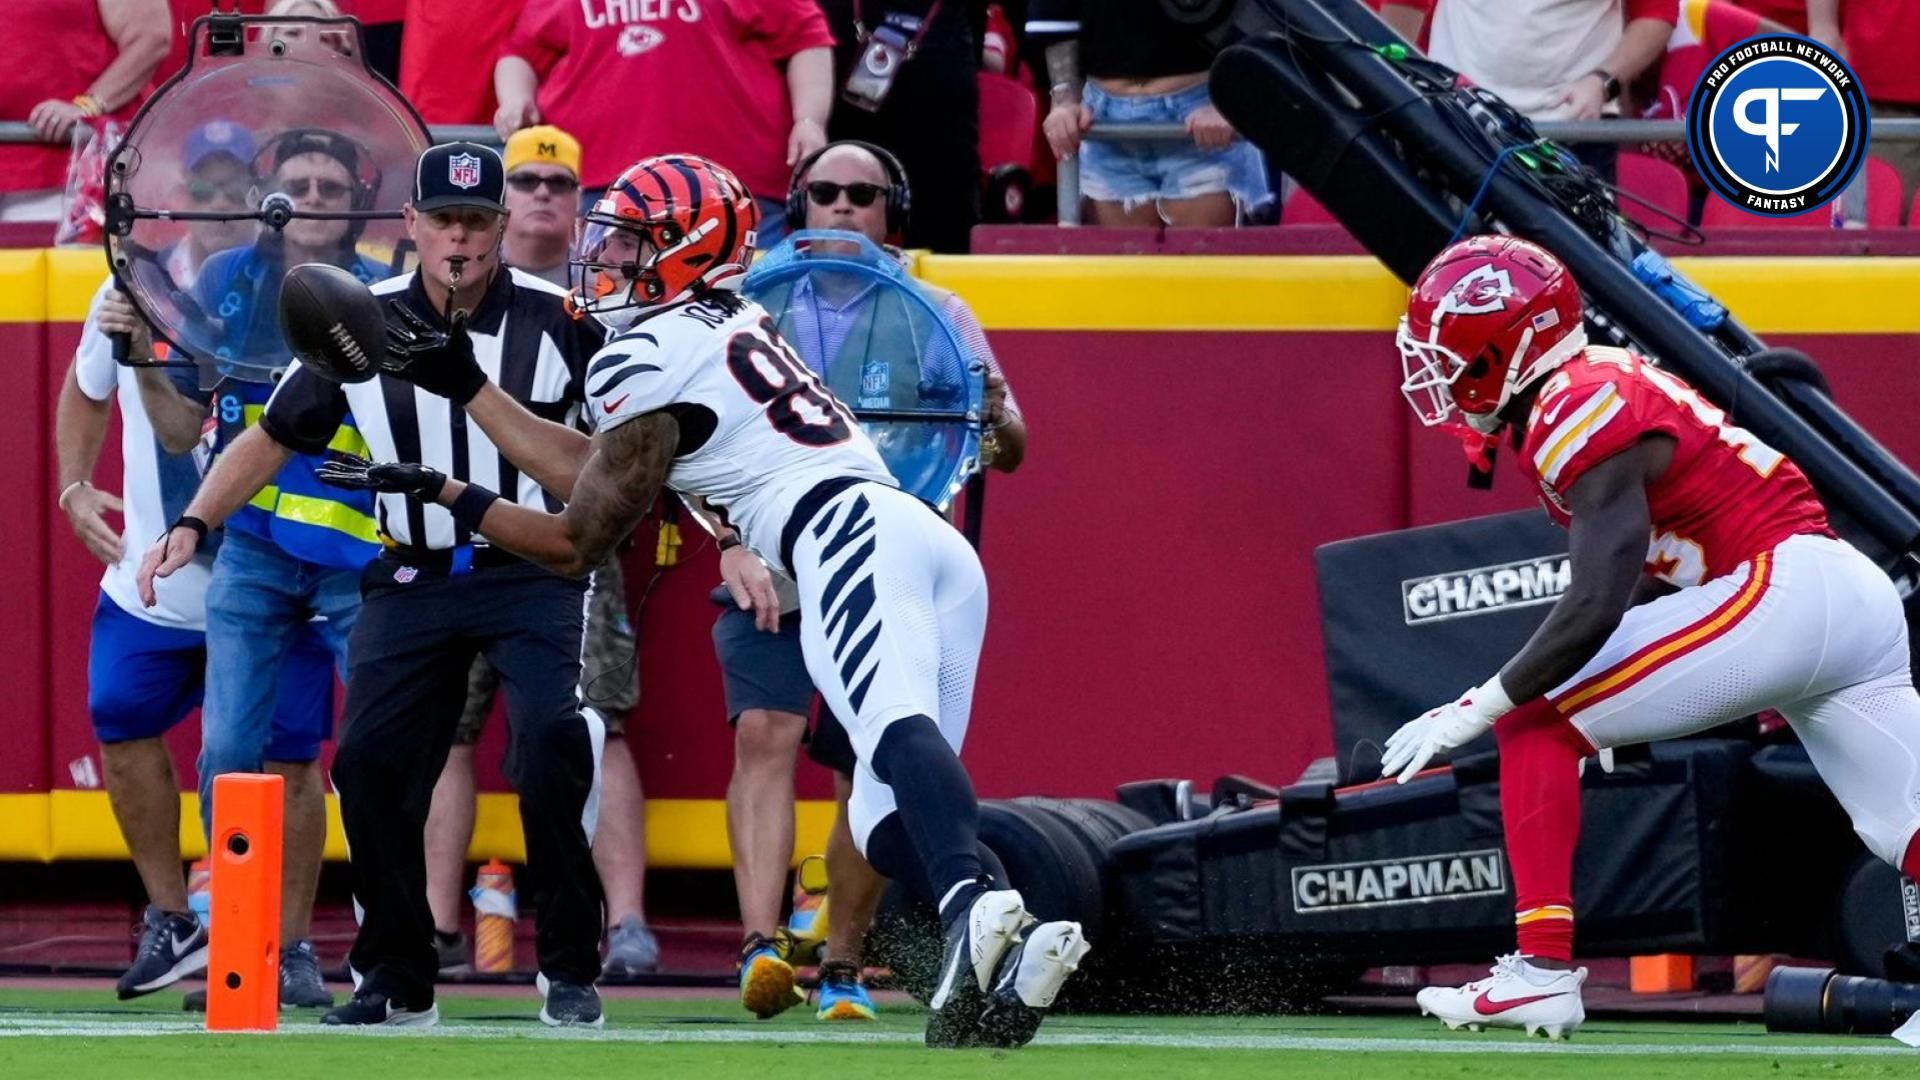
[670,225]
[1488,317]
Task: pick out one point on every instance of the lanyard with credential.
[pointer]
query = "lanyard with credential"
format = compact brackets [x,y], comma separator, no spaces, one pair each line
[864,35]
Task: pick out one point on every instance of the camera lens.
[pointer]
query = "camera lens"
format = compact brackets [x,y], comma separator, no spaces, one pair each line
[1822,1000]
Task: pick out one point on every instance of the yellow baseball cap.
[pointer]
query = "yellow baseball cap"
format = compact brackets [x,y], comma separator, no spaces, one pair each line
[543,145]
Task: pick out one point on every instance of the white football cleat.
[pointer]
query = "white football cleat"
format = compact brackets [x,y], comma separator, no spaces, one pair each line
[1516,995]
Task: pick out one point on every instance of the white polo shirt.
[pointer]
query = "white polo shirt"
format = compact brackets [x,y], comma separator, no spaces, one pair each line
[1527,51]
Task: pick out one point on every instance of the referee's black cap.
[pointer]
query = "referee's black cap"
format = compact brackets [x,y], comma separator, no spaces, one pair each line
[459,174]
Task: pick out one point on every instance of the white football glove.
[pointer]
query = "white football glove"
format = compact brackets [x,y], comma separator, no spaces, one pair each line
[1445,729]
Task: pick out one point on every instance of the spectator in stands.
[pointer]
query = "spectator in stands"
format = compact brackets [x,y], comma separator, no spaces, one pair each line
[543,200]
[69,61]
[1880,37]
[1128,62]
[748,83]
[447,56]
[295,36]
[543,192]
[926,111]
[1549,59]
[1703,30]
[846,187]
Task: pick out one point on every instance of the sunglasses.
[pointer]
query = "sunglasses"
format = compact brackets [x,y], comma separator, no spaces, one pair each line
[528,183]
[204,191]
[299,186]
[826,192]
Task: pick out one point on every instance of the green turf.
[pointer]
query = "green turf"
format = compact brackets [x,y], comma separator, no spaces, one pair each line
[499,1036]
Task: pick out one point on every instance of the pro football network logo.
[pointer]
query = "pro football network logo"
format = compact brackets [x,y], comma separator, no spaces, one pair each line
[1778,125]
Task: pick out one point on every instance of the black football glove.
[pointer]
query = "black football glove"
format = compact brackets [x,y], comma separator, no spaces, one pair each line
[393,477]
[435,360]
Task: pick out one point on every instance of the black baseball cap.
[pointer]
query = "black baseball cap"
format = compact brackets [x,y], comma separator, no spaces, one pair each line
[459,174]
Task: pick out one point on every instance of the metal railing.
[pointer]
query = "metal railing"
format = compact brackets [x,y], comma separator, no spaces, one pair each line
[1561,131]
[1891,130]
[17,131]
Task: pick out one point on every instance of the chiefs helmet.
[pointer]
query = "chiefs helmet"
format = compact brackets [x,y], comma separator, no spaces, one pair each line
[668,226]
[1488,317]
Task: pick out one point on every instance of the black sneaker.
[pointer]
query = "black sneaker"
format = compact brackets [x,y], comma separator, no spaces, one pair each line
[300,983]
[1030,977]
[370,1007]
[171,946]
[569,1004]
[450,950]
[975,943]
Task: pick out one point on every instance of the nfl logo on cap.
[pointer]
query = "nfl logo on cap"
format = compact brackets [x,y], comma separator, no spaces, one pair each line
[463,171]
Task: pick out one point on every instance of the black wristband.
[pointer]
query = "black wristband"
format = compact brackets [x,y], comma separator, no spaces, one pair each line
[435,484]
[471,505]
[186,521]
[730,541]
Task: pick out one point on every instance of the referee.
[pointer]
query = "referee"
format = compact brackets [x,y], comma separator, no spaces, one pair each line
[437,596]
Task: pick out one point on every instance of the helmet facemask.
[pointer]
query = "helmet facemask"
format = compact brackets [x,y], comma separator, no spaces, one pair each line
[1430,371]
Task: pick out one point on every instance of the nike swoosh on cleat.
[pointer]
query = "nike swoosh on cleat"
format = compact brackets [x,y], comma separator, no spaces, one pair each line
[1486,1006]
[180,944]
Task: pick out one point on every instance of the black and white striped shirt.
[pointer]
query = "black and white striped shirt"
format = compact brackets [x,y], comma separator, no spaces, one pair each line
[524,340]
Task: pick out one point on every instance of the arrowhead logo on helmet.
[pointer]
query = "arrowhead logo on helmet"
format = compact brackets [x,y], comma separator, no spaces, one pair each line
[1482,290]
[1488,317]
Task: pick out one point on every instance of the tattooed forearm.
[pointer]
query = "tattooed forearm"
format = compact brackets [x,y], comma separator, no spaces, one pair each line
[618,485]
[1063,71]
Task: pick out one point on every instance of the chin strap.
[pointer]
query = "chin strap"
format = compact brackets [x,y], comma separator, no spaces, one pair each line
[1480,448]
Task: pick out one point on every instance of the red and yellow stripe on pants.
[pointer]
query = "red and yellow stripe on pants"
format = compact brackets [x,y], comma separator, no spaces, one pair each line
[1643,662]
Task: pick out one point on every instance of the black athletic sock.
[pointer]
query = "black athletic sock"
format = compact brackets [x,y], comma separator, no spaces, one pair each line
[938,810]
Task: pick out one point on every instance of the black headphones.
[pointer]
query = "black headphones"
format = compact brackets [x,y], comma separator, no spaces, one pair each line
[899,194]
[312,140]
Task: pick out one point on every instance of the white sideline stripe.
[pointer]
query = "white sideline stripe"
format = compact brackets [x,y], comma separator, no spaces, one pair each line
[89,1029]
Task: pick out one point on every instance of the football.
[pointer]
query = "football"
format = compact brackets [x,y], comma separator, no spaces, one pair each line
[332,322]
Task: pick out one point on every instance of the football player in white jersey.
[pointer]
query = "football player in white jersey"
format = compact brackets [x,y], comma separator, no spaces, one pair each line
[700,393]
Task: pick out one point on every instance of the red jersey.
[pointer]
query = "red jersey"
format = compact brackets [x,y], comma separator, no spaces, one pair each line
[633,78]
[1726,497]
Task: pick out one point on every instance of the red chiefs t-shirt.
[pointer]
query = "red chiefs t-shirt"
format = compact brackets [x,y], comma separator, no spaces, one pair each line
[633,78]
[1882,36]
[1726,497]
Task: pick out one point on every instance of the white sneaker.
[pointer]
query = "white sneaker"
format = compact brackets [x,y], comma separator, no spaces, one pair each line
[1516,995]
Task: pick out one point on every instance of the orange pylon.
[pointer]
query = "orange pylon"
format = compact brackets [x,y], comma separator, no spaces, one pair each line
[243,968]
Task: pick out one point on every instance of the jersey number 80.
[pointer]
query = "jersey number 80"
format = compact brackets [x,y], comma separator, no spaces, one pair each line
[797,405]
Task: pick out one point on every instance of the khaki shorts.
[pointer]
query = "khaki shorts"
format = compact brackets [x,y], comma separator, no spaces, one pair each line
[609,668]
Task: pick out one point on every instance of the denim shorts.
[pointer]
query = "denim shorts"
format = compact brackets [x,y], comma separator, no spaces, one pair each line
[1135,173]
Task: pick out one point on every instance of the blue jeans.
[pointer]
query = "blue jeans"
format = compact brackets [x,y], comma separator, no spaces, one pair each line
[258,601]
[1136,173]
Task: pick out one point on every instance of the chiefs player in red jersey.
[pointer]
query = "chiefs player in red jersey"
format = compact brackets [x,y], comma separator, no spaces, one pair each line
[1706,586]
